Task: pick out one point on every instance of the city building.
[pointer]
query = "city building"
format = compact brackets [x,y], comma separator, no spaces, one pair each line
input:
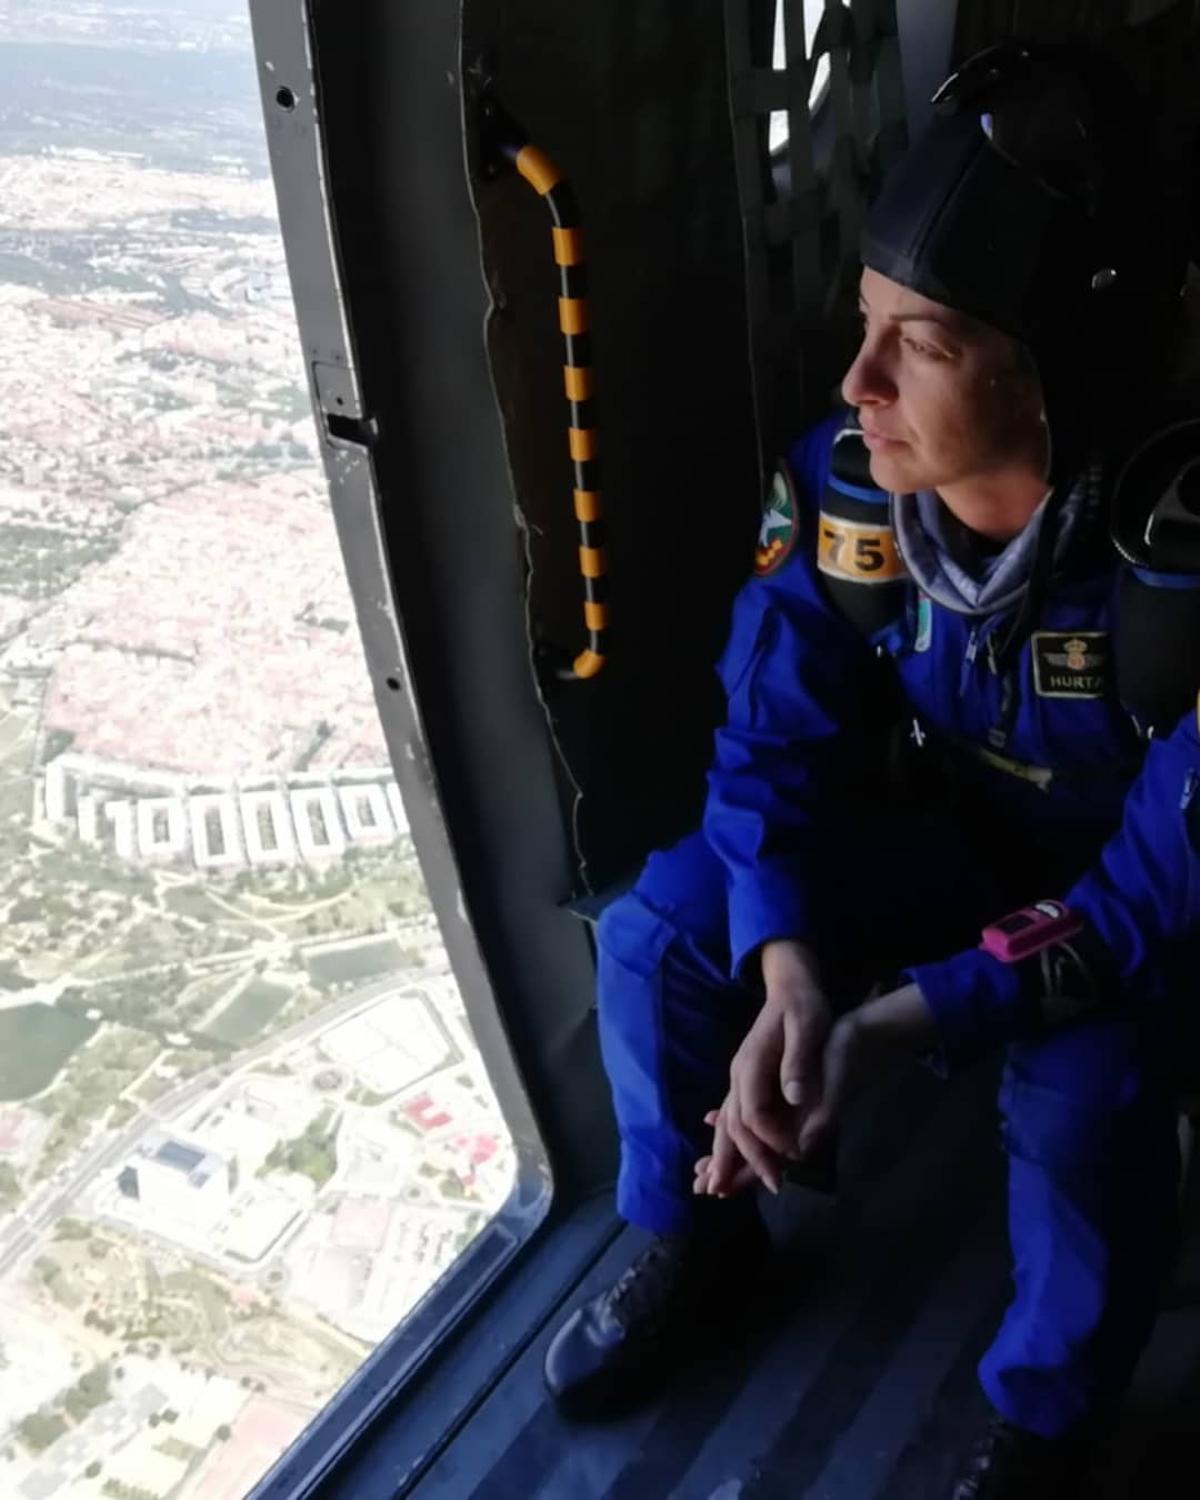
[173,1179]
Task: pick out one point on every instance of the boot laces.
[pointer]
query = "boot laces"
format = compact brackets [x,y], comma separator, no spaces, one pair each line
[652,1286]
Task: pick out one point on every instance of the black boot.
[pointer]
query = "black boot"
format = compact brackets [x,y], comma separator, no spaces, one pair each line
[1009,1463]
[613,1351]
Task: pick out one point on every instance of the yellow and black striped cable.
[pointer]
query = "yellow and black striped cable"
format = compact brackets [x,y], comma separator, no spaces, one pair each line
[575,322]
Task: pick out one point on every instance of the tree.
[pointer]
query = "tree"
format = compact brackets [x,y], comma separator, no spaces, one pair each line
[47,1269]
[72,1229]
[10,1186]
[40,1429]
[92,1389]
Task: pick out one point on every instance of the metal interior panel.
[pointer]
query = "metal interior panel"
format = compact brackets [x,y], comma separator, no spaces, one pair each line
[390,115]
[802,208]
[630,101]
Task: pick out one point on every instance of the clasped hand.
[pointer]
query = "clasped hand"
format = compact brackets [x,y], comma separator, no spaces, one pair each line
[793,1072]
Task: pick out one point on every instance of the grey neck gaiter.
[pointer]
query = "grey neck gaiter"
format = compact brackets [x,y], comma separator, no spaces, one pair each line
[922,523]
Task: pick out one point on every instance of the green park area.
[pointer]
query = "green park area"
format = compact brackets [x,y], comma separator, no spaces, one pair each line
[95,1078]
[354,962]
[312,1153]
[249,1012]
[35,1042]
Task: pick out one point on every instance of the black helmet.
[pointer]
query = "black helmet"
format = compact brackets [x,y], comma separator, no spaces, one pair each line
[1027,203]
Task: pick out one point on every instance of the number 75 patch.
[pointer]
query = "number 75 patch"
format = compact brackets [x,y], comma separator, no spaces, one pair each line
[857,551]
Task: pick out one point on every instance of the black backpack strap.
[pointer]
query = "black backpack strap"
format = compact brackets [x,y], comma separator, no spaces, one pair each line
[1155,526]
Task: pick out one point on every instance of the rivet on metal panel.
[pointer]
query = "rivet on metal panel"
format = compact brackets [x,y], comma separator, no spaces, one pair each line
[337,391]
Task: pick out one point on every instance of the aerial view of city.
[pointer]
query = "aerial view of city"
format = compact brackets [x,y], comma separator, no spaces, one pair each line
[244,1126]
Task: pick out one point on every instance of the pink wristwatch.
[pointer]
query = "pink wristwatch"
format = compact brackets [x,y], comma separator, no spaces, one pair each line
[1030,930]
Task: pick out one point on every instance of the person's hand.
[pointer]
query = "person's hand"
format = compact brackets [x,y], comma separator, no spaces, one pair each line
[743,1175]
[850,1057]
[774,1079]
[816,1168]
[861,1044]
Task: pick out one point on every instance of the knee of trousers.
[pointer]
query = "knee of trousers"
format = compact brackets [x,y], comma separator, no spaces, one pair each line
[1086,1106]
[631,940]
[641,953]
[670,1016]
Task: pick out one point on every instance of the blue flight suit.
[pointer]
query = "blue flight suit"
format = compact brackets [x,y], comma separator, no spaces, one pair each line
[794,845]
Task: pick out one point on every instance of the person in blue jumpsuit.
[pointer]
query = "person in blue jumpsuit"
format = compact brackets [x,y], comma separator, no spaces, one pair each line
[1002,292]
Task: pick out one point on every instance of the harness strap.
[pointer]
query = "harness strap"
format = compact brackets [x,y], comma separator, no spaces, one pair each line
[1042,777]
[1004,658]
[1039,776]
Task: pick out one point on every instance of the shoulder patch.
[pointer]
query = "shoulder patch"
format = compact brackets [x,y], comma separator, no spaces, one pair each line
[780,521]
[1071,663]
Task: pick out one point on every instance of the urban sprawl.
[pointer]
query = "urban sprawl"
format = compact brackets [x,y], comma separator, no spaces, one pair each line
[244,1126]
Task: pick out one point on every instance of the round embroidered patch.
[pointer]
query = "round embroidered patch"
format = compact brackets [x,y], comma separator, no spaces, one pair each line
[777,535]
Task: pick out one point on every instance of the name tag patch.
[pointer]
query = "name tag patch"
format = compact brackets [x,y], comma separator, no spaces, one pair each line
[1071,663]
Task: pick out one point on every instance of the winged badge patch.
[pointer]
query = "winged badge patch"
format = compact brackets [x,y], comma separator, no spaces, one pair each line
[1071,664]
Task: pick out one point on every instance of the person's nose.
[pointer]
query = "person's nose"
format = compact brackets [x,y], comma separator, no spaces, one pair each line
[867,381]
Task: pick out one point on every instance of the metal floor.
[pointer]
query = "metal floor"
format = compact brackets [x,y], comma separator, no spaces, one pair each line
[858,1383]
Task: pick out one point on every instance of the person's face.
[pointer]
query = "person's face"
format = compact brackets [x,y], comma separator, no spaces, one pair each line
[941,397]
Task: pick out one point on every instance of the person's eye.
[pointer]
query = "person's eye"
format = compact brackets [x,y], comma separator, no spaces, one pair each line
[926,351]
